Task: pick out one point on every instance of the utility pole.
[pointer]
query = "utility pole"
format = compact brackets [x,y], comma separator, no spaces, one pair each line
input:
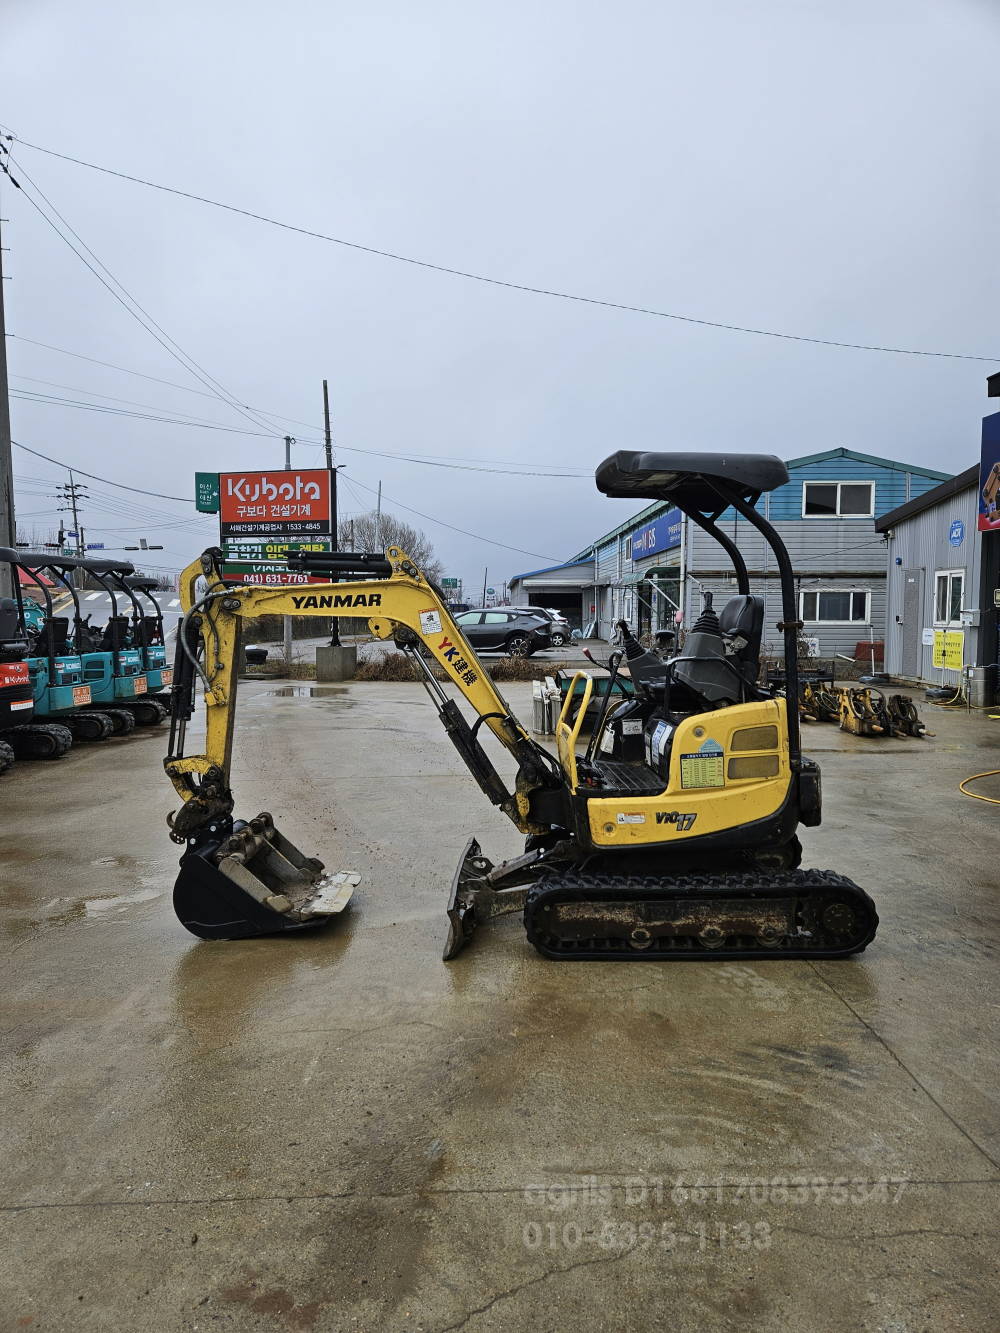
[485,577]
[7,527]
[378,521]
[287,626]
[326,426]
[72,494]
[334,542]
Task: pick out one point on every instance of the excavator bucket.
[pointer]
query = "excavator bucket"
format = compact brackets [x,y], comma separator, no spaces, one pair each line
[250,880]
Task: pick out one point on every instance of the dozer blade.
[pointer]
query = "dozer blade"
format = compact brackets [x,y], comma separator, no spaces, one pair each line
[794,914]
[478,894]
[250,880]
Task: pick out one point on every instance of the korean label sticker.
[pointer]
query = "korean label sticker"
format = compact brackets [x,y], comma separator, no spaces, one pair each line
[706,768]
[430,622]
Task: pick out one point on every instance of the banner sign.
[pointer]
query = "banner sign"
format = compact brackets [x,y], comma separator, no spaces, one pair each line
[989,476]
[275,504]
[662,534]
[240,549]
[206,492]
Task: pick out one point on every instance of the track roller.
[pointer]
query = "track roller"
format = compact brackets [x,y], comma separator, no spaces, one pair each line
[7,756]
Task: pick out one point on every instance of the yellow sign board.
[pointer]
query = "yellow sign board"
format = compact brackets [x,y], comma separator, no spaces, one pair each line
[949,649]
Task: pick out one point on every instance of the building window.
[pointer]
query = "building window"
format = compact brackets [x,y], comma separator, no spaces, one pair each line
[838,499]
[949,589]
[830,606]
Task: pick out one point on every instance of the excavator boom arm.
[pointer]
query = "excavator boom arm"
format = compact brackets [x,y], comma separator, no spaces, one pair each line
[401,601]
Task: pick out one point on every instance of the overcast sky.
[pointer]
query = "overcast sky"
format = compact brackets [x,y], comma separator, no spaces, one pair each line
[822,167]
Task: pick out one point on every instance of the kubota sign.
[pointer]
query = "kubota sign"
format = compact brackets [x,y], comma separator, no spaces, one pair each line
[263,504]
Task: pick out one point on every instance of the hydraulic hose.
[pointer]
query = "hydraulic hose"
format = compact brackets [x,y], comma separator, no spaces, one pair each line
[990,773]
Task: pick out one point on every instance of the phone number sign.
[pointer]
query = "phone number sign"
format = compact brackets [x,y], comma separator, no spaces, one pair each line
[265,575]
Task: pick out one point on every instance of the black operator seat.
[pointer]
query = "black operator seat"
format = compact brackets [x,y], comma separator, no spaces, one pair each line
[12,643]
[687,479]
[60,634]
[742,621]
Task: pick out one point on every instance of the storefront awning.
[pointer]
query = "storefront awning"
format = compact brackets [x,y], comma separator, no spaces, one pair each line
[654,571]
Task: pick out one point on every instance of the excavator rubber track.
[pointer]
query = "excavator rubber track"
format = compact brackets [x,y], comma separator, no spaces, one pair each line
[619,918]
[39,740]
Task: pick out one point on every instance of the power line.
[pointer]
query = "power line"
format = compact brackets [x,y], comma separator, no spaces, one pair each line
[312,425]
[130,304]
[464,531]
[500,282]
[110,365]
[138,490]
[187,500]
[57,400]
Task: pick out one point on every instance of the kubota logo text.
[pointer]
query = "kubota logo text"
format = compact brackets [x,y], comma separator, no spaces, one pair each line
[248,491]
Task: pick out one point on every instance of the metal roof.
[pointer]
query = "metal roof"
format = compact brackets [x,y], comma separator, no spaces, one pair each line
[550,569]
[965,481]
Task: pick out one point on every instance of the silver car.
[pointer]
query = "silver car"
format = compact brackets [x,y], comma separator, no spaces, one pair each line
[560,631]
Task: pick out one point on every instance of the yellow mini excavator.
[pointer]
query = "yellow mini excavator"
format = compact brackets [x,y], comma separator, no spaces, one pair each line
[673,836]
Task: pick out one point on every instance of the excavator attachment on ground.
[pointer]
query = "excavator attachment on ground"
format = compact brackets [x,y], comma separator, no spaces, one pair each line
[672,835]
[250,880]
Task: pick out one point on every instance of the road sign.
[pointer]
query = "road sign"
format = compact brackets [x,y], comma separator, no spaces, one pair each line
[95,546]
[70,534]
[269,505]
[451,583]
[206,492]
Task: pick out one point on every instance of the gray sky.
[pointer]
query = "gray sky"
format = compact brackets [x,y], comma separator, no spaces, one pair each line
[824,167]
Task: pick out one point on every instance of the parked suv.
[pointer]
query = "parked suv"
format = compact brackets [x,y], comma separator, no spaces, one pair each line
[559,625]
[514,630]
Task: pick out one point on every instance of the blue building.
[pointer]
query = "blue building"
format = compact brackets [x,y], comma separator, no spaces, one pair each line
[656,563]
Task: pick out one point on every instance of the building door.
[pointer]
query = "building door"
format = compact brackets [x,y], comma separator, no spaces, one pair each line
[913,616]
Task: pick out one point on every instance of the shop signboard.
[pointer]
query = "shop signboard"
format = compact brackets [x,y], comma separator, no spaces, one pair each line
[661,534]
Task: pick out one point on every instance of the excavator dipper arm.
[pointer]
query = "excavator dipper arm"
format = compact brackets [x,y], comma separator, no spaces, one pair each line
[240,878]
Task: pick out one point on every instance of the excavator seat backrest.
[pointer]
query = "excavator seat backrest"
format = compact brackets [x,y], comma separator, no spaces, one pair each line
[151,630]
[743,617]
[60,634]
[8,620]
[115,635]
[85,639]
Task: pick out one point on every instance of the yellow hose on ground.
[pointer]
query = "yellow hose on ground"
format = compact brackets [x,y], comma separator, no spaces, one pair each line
[991,773]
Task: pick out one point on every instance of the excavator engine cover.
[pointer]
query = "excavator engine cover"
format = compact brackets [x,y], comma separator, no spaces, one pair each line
[240,880]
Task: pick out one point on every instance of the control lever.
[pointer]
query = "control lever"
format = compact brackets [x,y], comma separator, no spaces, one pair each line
[614,662]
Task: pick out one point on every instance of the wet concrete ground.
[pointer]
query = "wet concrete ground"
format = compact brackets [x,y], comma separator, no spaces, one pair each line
[339,1131]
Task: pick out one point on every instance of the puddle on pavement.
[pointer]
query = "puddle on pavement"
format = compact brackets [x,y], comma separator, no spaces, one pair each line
[307,691]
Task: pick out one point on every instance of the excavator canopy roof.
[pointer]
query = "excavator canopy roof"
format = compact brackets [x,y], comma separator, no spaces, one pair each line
[687,479]
[39,559]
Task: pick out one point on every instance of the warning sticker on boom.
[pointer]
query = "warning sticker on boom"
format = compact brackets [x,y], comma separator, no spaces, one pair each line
[430,622]
[706,768]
